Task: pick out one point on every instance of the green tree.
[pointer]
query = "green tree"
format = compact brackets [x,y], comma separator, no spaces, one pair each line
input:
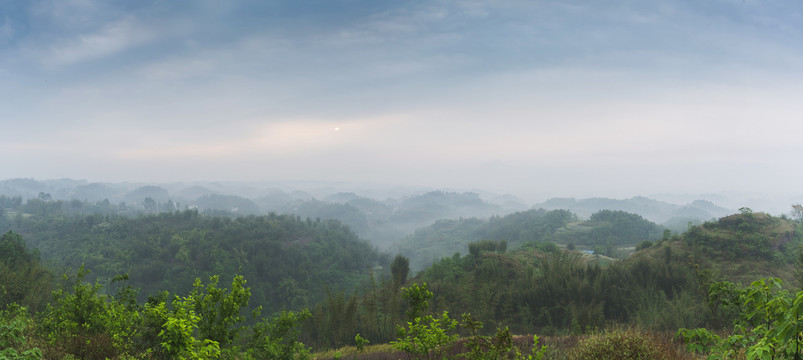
[86,323]
[23,279]
[424,336]
[177,337]
[220,310]
[797,212]
[277,338]
[399,269]
[769,324]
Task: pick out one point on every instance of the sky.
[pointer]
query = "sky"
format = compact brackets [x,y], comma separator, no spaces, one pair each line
[602,98]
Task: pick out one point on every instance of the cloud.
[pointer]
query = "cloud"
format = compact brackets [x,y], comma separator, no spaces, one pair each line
[420,90]
[266,138]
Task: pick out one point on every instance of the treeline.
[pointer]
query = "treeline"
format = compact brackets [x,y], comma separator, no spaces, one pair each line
[290,261]
[538,288]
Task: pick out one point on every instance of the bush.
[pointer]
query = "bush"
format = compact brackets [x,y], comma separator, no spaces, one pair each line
[618,344]
[82,322]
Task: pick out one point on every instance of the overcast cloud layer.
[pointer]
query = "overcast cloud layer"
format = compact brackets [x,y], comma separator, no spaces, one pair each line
[613,98]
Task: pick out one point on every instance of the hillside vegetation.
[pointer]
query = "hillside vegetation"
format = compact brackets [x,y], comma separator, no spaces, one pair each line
[544,289]
[290,261]
[149,286]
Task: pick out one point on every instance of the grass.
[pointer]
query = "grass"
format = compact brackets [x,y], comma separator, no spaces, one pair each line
[568,347]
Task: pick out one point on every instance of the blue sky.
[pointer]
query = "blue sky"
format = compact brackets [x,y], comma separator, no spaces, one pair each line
[605,98]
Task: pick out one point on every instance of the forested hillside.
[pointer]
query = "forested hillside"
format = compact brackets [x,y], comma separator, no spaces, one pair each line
[527,272]
[745,246]
[290,261]
[542,288]
[607,232]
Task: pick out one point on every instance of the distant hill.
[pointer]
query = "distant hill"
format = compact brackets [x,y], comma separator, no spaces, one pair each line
[434,205]
[674,217]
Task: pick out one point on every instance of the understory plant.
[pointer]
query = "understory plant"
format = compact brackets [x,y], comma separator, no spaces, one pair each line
[15,324]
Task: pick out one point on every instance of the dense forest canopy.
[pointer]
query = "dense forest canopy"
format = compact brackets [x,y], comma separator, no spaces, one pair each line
[290,260]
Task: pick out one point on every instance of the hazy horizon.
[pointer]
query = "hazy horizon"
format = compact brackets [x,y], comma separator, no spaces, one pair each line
[531,98]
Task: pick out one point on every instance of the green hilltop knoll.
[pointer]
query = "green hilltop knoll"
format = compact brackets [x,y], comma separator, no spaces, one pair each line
[745,246]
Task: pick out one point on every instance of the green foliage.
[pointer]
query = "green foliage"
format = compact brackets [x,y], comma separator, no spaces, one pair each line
[608,230]
[399,269]
[797,212]
[360,342]
[417,300]
[219,309]
[646,244]
[476,248]
[206,324]
[746,235]
[15,325]
[80,316]
[499,346]
[277,338]
[426,337]
[446,237]
[288,260]
[23,279]
[769,325]
[374,314]
[177,337]
[84,322]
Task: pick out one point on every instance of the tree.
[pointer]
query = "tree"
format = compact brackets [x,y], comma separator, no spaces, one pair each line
[797,212]
[23,279]
[425,336]
[150,204]
[399,269]
[44,196]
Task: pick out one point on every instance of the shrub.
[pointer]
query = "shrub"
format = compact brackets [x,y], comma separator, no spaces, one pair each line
[618,344]
[277,338]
